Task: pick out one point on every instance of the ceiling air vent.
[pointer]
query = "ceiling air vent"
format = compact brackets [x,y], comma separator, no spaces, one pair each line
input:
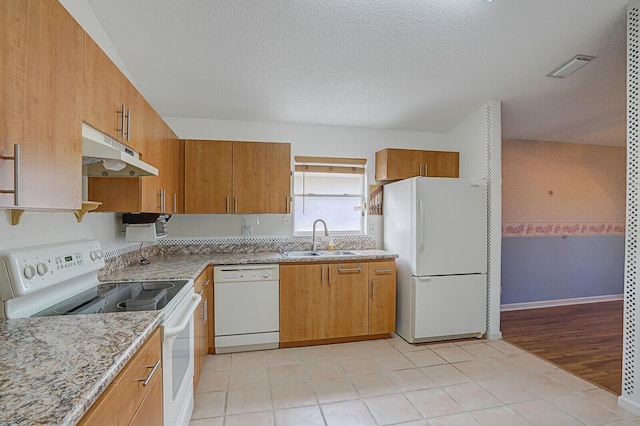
[571,66]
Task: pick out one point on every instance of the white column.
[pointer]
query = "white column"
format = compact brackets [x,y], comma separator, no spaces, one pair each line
[630,398]
[494,217]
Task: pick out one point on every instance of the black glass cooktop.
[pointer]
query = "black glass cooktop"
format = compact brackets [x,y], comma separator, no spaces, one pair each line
[118,297]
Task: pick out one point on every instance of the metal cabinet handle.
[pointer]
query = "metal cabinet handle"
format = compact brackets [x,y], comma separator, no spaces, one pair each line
[128,123]
[175,202]
[147,379]
[329,272]
[122,116]
[420,169]
[383,271]
[16,174]
[287,206]
[206,283]
[235,204]
[227,208]
[341,269]
[164,201]
[206,315]
[373,289]
[160,200]
[322,269]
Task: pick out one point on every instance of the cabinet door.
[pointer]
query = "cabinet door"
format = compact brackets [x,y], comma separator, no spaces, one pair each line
[150,411]
[280,178]
[207,176]
[347,300]
[134,126]
[442,163]
[102,102]
[41,106]
[396,164]
[250,177]
[382,297]
[302,302]
[103,412]
[172,168]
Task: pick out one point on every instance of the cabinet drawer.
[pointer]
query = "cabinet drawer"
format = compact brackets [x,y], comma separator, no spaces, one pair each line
[382,269]
[131,386]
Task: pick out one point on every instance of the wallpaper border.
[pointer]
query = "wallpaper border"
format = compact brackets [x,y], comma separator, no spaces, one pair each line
[538,229]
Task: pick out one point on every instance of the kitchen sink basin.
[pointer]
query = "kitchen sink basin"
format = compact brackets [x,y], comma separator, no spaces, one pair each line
[300,253]
[338,253]
[318,253]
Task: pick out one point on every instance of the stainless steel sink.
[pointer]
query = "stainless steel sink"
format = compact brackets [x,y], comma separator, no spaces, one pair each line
[318,253]
[338,253]
[300,253]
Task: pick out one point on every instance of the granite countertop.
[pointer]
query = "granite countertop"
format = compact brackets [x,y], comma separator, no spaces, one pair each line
[187,266]
[52,369]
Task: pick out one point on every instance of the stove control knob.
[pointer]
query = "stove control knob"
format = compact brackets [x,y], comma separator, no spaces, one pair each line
[265,275]
[93,255]
[29,272]
[42,268]
[100,254]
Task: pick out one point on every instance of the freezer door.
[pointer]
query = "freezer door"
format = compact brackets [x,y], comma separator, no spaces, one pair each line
[449,305]
[450,227]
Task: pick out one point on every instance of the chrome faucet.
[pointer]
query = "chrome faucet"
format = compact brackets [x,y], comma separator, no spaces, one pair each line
[315,246]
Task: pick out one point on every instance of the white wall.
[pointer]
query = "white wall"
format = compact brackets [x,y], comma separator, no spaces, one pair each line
[40,227]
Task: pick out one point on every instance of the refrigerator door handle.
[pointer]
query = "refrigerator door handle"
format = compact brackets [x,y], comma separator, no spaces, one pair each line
[419,225]
[425,279]
[478,181]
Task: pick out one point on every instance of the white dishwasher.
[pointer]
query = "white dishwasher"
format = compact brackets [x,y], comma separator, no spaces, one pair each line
[246,307]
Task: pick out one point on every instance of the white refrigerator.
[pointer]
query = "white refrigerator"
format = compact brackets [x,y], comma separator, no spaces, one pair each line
[438,227]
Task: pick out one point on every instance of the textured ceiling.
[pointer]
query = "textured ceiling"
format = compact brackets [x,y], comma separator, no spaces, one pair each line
[398,64]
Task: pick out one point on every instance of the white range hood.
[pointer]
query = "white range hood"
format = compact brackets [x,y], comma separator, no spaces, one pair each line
[105,157]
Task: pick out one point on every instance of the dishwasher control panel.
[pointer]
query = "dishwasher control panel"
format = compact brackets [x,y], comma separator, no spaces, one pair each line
[244,273]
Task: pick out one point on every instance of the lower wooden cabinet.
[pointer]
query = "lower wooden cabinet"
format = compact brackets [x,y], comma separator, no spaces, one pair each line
[336,301]
[129,400]
[203,322]
[382,297]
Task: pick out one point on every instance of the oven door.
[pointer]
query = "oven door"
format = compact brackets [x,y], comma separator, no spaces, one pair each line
[178,362]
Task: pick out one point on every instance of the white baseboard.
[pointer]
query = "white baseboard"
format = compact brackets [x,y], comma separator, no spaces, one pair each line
[627,404]
[559,302]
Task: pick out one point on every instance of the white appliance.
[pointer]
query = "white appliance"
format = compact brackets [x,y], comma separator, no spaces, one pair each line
[438,227]
[246,307]
[103,156]
[62,279]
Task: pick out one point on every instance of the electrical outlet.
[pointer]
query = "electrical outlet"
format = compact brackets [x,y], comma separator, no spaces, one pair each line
[372,229]
[247,230]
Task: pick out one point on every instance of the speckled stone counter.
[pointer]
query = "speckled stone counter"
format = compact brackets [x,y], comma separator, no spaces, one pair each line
[53,369]
[187,266]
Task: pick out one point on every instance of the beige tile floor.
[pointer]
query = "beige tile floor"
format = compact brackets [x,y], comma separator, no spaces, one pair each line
[389,382]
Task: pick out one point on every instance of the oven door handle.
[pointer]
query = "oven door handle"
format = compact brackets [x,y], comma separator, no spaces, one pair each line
[174,331]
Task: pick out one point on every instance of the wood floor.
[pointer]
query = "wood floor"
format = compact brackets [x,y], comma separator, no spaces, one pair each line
[584,339]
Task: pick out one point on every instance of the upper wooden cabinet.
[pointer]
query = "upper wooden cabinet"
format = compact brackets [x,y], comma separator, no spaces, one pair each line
[111,103]
[236,177]
[40,106]
[395,164]
[151,194]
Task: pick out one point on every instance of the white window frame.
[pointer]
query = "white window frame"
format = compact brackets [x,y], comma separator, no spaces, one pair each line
[332,165]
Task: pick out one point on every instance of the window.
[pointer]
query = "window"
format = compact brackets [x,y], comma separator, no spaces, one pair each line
[331,189]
